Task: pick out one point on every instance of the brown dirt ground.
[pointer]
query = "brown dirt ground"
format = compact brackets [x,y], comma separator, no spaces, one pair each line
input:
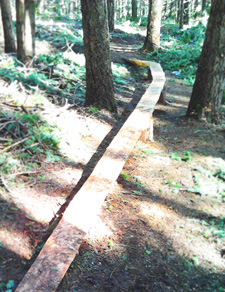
[155,233]
[162,226]
[31,202]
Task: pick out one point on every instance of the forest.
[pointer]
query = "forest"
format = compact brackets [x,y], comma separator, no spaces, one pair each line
[71,75]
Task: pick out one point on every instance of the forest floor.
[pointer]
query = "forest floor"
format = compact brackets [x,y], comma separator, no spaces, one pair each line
[161,227]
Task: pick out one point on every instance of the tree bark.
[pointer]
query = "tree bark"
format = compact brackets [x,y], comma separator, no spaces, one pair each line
[25,29]
[9,37]
[99,80]
[209,84]
[1,25]
[110,7]
[29,29]
[181,14]
[203,5]
[142,9]
[178,12]
[134,9]
[20,29]
[186,12]
[152,40]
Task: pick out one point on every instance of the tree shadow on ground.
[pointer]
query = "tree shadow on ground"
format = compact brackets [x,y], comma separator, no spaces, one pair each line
[141,258]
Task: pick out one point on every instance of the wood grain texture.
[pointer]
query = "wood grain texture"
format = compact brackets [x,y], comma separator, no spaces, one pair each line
[62,246]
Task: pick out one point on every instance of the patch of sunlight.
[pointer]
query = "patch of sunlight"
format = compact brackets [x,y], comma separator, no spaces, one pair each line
[99,230]
[17,92]
[187,244]
[168,43]
[178,105]
[49,23]
[119,70]
[194,22]
[43,47]
[39,207]
[156,159]
[126,27]
[13,243]
[75,133]
[6,61]
[183,235]
[215,161]
[86,205]
[74,57]
[152,210]
[209,164]
[208,182]
[66,176]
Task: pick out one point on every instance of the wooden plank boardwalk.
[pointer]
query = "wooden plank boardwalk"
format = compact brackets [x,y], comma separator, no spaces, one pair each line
[63,244]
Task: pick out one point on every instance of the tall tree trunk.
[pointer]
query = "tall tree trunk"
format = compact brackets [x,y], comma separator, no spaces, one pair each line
[110,7]
[9,37]
[29,29]
[99,80]
[209,84]
[1,25]
[20,29]
[186,12]
[71,9]
[171,9]
[197,6]
[178,12]
[134,9]
[142,7]
[25,29]
[203,5]
[181,14]
[152,40]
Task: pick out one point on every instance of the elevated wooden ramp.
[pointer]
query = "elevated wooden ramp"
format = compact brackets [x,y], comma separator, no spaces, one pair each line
[62,246]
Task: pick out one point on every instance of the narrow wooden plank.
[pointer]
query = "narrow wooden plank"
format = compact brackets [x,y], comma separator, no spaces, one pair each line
[62,246]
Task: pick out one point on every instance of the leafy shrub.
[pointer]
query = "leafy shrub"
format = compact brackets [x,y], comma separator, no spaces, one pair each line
[183,61]
[181,50]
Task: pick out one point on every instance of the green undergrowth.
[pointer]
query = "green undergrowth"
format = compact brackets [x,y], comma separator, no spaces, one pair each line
[28,141]
[55,12]
[180,51]
[57,74]
[61,35]
[9,286]
[121,75]
[57,78]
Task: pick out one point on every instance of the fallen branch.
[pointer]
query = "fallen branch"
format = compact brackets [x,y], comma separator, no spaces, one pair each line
[19,106]
[13,145]
[23,173]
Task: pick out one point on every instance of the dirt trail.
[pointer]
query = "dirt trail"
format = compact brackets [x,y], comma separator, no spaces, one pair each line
[31,202]
[162,227]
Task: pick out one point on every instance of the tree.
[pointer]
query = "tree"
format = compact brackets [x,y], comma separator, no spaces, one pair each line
[20,29]
[203,5]
[209,84]
[110,7]
[152,40]
[186,11]
[99,80]
[134,9]
[181,14]
[1,25]
[9,37]
[25,29]
[29,28]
